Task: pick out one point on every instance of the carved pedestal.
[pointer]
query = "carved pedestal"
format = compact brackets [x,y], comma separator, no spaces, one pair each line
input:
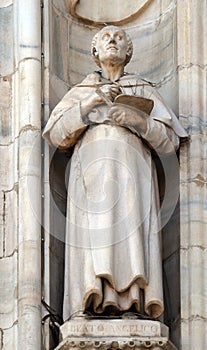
[114,334]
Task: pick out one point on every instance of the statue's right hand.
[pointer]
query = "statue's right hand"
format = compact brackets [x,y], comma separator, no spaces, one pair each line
[108,92]
[105,93]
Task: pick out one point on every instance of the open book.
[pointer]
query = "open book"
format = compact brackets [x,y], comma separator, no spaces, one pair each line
[144,104]
[139,102]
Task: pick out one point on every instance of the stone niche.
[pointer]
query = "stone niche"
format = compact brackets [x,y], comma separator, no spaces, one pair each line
[106,10]
[116,334]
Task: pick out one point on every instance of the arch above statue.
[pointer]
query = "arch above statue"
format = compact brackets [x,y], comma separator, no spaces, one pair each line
[91,12]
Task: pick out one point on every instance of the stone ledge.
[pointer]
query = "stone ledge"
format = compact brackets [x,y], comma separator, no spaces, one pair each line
[116,344]
[114,334]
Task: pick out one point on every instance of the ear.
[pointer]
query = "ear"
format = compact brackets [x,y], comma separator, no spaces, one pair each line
[95,52]
[129,51]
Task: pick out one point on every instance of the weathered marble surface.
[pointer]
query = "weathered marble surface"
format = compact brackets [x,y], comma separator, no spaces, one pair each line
[8,188]
[6,38]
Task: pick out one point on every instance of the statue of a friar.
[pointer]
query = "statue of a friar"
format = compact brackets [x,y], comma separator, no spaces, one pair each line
[114,121]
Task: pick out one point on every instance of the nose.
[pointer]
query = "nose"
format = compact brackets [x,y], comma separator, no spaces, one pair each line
[112,39]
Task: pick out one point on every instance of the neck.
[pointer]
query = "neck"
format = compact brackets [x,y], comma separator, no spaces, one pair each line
[112,72]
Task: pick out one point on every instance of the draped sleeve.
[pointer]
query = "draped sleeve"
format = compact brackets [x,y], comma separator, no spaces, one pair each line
[160,137]
[65,124]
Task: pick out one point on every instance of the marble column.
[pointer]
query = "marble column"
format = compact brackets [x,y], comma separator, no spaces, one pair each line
[192,63]
[20,190]
[28,110]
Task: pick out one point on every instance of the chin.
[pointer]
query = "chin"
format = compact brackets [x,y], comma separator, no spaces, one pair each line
[114,59]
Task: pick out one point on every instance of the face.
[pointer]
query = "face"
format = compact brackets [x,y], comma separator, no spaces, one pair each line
[112,46]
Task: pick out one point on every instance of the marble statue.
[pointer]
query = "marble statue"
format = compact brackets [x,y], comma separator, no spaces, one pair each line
[114,121]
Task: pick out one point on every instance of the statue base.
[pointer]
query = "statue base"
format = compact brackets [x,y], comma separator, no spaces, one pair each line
[114,334]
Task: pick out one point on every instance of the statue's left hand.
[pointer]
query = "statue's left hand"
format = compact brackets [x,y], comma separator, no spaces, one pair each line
[126,116]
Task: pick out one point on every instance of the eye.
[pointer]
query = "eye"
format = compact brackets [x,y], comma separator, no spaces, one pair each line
[105,37]
[119,36]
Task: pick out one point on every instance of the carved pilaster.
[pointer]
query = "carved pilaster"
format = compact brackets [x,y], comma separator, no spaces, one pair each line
[192,63]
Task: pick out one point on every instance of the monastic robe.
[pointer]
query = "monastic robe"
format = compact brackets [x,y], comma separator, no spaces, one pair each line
[113,243]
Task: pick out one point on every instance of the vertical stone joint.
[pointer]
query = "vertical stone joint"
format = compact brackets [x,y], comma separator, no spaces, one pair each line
[4,222]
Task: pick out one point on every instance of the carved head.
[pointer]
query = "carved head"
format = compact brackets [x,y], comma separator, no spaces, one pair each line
[114,41]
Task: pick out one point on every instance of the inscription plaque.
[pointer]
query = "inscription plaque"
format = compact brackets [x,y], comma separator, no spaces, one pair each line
[113,328]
